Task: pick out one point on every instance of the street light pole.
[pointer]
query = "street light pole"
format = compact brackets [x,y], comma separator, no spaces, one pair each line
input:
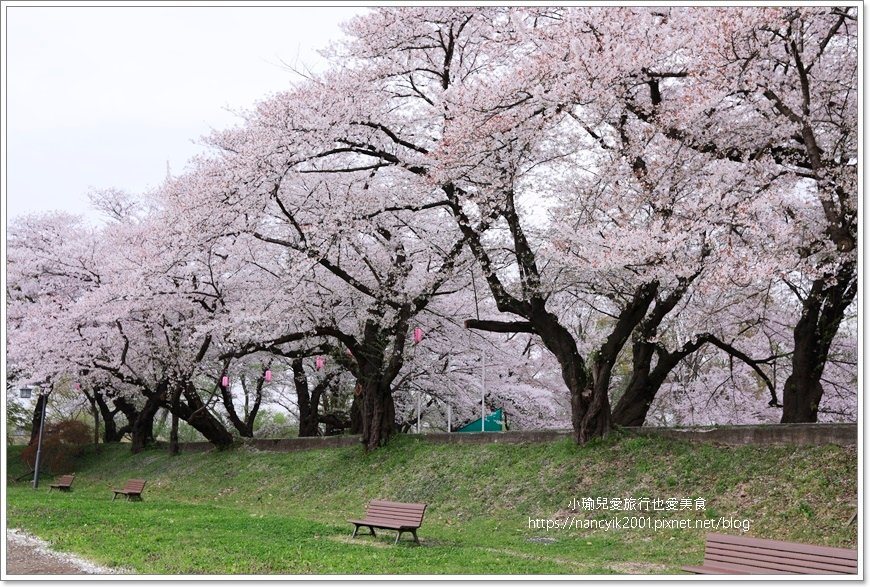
[39,441]
[483,390]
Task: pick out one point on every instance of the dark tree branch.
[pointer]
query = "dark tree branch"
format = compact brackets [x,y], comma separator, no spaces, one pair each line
[498,326]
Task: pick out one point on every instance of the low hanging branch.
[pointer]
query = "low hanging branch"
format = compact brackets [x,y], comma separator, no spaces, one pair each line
[753,363]
[499,326]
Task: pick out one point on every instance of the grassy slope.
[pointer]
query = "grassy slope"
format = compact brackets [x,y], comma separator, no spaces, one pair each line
[250,512]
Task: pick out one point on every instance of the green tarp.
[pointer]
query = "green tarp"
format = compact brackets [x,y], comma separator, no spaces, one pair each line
[495,422]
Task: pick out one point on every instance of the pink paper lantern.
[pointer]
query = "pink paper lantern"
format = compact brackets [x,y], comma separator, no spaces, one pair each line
[225,381]
[418,335]
[76,385]
[268,375]
[319,362]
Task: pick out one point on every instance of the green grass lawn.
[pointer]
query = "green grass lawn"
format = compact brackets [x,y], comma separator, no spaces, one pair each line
[247,512]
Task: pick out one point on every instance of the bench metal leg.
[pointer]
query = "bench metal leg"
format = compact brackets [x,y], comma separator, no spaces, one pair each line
[414,532]
[357,527]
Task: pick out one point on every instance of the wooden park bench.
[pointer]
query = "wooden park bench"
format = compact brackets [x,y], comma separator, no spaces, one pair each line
[63,484]
[392,515]
[132,489]
[738,555]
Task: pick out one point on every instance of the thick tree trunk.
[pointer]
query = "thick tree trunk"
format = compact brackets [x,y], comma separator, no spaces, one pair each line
[110,428]
[308,408]
[378,413]
[375,373]
[245,427]
[633,406]
[356,425]
[196,413]
[590,407]
[801,395]
[823,310]
[114,433]
[142,430]
[802,392]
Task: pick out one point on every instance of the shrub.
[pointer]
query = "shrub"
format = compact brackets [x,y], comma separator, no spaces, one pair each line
[62,443]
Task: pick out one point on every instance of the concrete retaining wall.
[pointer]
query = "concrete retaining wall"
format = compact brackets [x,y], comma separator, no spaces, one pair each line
[762,435]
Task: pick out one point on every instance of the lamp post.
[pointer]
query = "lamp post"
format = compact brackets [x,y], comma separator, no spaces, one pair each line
[482,360]
[483,389]
[39,441]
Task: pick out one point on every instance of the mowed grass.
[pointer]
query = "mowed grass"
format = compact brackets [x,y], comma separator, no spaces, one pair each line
[256,513]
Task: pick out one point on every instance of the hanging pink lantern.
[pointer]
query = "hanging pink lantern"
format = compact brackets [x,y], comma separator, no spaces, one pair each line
[267,377]
[225,381]
[418,335]
[76,385]
[319,362]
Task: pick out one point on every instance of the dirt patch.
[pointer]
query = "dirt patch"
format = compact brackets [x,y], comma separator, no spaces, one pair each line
[636,568]
[365,541]
[28,555]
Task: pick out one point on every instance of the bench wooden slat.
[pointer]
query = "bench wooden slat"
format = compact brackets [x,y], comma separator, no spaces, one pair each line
[791,547]
[377,523]
[712,571]
[766,567]
[744,555]
[805,560]
[388,520]
[385,514]
[848,558]
[398,510]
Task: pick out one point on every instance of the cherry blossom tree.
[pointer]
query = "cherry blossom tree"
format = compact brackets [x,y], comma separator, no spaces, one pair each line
[366,240]
[778,88]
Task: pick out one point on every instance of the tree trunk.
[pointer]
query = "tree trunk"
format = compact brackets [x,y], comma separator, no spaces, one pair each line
[308,409]
[356,425]
[196,413]
[633,406]
[375,373]
[130,412]
[110,428]
[244,427]
[823,310]
[590,408]
[142,430]
[174,447]
[309,401]
[378,413]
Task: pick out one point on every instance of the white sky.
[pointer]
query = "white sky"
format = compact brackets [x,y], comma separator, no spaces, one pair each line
[105,96]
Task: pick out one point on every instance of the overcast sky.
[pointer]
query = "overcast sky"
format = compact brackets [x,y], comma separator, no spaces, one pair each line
[105,96]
